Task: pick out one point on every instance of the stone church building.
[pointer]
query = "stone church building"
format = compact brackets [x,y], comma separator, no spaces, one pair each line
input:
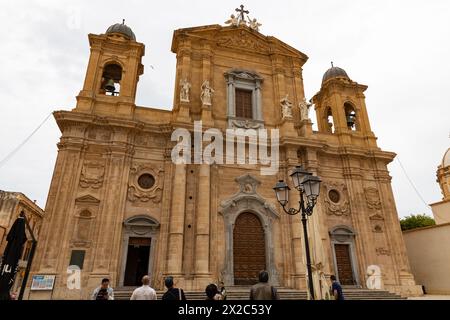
[118,207]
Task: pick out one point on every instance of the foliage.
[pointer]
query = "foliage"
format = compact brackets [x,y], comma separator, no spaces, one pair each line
[416,221]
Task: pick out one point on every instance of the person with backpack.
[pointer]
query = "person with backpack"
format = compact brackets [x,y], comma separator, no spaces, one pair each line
[172,293]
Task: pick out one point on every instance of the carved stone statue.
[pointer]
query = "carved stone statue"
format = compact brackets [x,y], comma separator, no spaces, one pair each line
[373,281]
[253,24]
[206,94]
[234,21]
[304,109]
[286,107]
[184,92]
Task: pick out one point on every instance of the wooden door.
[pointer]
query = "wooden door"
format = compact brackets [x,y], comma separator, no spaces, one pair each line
[249,253]
[344,264]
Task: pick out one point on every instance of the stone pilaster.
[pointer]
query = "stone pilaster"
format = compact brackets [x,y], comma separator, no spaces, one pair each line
[203,221]
[176,229]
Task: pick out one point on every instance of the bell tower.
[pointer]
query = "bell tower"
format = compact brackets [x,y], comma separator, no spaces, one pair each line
[341,109]
[113,71]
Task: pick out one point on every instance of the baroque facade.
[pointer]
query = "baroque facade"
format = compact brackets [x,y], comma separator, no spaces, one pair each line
[118,206]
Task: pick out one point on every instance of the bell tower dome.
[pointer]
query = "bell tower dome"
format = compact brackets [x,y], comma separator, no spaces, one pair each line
[113,71]
[341,109]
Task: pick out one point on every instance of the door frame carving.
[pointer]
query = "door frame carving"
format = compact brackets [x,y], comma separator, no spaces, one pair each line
[248,200]
[343,234]
[140,226]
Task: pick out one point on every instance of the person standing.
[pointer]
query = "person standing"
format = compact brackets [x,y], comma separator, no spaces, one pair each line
[172,293]
[336,289]
[223,291]
[263,290]
[145,292]
[103,292]
[212,293]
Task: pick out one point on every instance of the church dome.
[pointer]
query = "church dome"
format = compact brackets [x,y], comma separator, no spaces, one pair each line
[123,29]
[446,159]
[334,72]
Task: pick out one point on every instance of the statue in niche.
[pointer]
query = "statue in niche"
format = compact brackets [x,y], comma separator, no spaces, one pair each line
[184,92]
[286,107]
[304,109]
[206,94]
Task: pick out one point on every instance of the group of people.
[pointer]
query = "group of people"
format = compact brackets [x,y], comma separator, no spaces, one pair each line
[260,291]
[144,292]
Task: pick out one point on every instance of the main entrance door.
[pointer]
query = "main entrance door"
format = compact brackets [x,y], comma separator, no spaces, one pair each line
[137,261]
[344,264]
[249,253]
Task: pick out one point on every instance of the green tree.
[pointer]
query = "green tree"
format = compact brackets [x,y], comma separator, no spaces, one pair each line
[416,221]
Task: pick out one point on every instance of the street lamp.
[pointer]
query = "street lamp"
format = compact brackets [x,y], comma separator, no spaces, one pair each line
[308,186]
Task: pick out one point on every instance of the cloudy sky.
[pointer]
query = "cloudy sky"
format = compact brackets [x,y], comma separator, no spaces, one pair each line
[400,49]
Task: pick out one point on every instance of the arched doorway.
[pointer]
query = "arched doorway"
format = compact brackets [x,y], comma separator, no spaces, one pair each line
[249,253]
[343,248]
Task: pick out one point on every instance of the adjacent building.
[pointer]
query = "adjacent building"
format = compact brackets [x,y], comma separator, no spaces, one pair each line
[11,205]
[428,248]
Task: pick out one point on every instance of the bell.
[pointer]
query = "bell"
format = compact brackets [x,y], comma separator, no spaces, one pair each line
[109,85]
[351,120]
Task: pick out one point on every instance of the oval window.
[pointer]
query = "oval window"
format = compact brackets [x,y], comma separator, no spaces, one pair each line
[146,181]
[334,196]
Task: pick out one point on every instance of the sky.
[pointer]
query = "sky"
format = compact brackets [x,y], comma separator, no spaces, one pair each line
[400,49]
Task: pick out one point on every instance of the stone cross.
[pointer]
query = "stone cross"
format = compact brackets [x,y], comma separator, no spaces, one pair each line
[241,12]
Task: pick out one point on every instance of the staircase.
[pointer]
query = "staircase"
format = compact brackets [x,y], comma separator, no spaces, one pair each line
[243,292]
[352,293]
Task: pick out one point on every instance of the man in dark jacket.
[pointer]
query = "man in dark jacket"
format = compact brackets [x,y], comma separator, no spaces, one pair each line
[263,290]
[336,289]
[172,293]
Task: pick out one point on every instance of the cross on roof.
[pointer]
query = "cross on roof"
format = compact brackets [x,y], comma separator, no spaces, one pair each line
[241,12]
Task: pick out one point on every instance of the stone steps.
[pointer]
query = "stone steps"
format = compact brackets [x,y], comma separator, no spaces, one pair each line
[242,293]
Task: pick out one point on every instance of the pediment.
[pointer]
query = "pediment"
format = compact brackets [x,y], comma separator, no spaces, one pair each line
[87,199]
[242,38]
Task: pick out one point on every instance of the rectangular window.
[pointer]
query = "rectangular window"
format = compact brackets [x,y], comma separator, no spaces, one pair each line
[244,103]
[77,258]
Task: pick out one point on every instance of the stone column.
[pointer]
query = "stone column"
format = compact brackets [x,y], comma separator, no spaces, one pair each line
[176,229]
[258,101]
[203,217]
[231,107]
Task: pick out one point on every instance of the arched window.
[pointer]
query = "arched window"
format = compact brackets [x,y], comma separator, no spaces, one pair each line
[350,116]
[112,75]
[329,120]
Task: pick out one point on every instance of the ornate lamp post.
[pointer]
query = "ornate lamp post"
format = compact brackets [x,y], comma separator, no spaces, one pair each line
[309,187]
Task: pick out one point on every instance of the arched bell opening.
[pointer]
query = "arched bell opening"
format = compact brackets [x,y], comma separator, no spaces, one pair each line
[350,117]
[329,121]
[111,77]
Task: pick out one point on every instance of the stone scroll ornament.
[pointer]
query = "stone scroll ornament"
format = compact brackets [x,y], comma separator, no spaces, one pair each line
[372,198]
[92,175]
[136,193]
[336,199]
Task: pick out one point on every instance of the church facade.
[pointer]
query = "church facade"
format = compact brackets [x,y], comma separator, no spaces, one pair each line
[119,207]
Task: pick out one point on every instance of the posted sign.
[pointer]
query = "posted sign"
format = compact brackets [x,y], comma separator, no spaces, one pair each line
[43,282]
